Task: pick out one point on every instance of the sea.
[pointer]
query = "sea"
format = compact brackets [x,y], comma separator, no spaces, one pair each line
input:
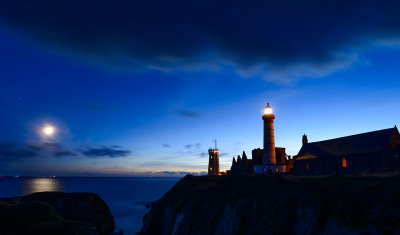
[126,196]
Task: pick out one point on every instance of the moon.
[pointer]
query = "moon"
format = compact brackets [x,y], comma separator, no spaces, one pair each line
[49,130]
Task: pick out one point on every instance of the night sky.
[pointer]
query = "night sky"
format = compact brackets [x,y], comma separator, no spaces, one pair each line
[143,87]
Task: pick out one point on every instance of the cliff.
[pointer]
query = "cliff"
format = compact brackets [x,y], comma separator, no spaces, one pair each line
[278,205]
[55,213]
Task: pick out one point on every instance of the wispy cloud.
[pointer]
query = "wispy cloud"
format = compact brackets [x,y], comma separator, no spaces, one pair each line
[112,152]
[187,113]
[12,151]
[188,146]
[280,41]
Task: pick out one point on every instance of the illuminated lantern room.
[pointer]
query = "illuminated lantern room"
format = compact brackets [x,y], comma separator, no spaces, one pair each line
[267,110]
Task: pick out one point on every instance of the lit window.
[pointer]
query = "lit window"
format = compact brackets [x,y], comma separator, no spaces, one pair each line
[210,169]
[307,166]
[344,162]
[277,170]
[211,157]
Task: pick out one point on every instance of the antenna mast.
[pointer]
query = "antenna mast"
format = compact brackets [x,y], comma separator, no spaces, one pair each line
[215,144]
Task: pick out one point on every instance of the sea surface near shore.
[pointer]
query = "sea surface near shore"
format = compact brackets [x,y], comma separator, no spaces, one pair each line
[126,196]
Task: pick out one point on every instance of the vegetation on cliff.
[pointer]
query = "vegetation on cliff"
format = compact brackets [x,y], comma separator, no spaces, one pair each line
[244,204]
[55,213]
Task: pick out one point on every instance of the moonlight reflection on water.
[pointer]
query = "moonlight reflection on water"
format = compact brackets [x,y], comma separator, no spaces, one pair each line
[41,185]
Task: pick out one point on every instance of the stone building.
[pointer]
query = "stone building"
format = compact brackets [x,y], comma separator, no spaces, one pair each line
[284,162]
[242,165]
[356,153]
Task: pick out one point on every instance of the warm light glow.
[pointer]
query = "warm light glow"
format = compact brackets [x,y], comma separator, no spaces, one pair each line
[48,130]
[41,185]
[344,162]
[268,109]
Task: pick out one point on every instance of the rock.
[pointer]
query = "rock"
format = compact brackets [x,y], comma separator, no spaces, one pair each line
[262,204]
[55,213]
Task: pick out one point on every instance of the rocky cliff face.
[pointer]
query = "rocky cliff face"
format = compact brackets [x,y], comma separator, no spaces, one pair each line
[278,205]
[55,213]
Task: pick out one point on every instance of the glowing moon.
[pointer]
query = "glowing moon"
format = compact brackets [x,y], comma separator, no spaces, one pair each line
[48,130]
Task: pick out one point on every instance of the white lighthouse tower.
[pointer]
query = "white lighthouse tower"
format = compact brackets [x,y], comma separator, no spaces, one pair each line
[269,156]
[269,160]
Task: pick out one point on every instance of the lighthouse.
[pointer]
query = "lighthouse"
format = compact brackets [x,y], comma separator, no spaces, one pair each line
[269,156]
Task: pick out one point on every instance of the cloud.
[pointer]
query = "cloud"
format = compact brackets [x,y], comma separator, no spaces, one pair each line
[188,146]
[280,41]
[192,146]
[65,153]
[187,113]
[12,151]
[112,152]
[203,154]
[166,145]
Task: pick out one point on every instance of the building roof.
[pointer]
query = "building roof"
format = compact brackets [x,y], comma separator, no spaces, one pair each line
[374,141]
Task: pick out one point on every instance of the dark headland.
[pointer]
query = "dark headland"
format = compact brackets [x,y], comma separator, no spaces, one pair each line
[55,213]
[274,204]
[365,203]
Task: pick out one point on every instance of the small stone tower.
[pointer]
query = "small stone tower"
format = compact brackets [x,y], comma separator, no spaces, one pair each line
[213,161]
[269,156]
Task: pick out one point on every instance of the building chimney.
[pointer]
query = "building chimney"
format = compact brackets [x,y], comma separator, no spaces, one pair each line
[305,140]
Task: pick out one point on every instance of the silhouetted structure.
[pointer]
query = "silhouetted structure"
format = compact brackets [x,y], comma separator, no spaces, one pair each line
[242,165]
[213,161]
[356,153]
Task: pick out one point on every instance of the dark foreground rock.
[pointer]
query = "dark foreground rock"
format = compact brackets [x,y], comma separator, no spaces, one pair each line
[55,213]
[278,205]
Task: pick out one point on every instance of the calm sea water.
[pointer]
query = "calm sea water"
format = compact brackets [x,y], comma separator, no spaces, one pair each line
[125,196]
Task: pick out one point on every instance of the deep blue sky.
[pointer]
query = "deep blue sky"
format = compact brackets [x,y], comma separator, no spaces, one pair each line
[143,87]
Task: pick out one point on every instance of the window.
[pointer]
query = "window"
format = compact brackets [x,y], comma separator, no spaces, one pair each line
[210,169]
[277,170]
[307,166]
[344,162]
